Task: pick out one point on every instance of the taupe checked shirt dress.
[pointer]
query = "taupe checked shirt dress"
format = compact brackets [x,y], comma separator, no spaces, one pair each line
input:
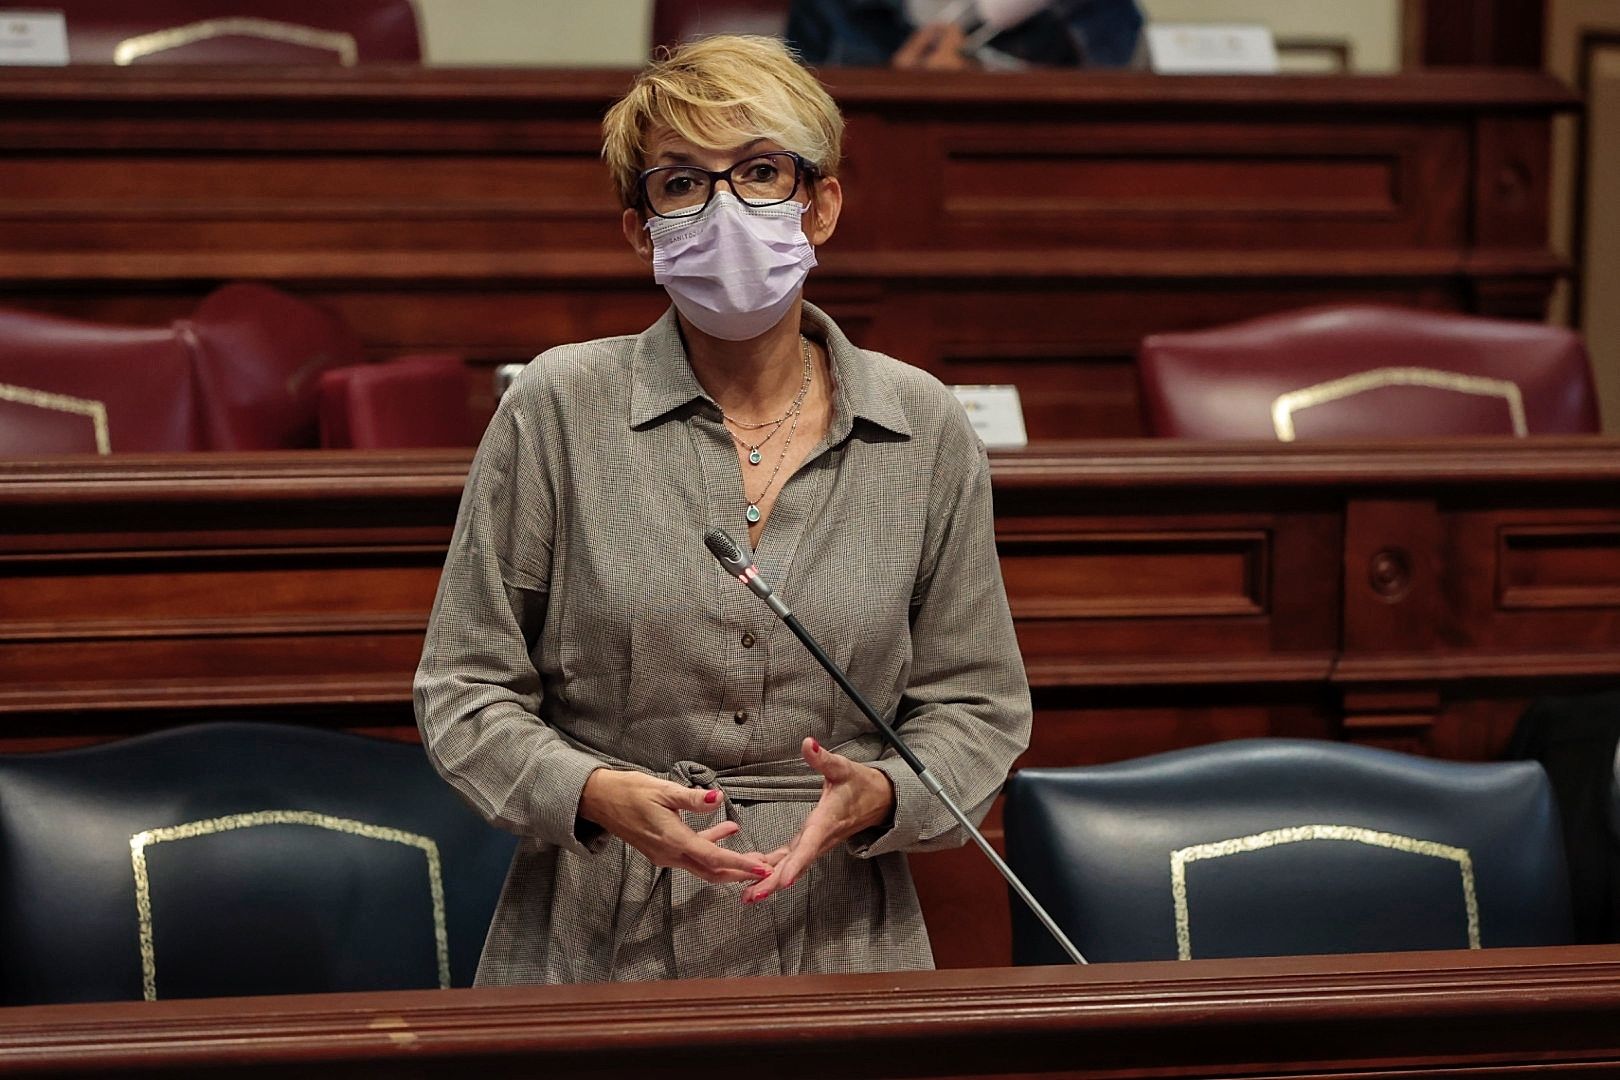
[581,622]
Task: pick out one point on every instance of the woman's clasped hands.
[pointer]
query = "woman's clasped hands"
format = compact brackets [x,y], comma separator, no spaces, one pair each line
[645,812]
[854,797]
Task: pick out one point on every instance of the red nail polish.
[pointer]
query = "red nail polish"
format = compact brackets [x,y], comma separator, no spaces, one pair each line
[762,871]
[711,797]
[815,746]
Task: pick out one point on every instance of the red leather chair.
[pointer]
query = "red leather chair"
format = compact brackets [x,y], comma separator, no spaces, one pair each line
[258,355]
[279,32]
[1367,372]
[675,21]
[247,371]
[69,387]
[411,401]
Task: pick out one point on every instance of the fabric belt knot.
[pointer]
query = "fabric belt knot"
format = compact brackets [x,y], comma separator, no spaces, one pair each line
[692,774]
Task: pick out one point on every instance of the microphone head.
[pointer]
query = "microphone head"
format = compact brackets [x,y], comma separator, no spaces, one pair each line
[720,544]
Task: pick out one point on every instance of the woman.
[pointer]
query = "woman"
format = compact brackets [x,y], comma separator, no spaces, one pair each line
[695,797]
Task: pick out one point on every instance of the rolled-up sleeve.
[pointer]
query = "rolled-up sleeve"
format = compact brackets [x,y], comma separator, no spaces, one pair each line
[477,691]
[966,708]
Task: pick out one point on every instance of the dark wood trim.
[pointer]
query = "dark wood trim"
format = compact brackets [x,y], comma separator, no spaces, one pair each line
[1134,464]
[309,475]
[585,92]
[31,271]
[1492,1013]
[1484,33]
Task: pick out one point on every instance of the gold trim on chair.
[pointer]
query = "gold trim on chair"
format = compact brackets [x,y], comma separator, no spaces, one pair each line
[132,49]
[1277,837]
[95,411]
[209,826]
[1286,405]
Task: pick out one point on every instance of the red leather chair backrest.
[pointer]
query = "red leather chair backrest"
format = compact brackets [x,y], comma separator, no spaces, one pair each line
[1367,372]
[259,354]
[411,401]
[280,32]
[675,21]
[72,387]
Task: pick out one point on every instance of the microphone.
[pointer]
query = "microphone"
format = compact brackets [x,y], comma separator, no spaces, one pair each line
[740,565]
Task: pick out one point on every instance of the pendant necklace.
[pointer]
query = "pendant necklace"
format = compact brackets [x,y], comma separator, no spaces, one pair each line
[754,456]
[752,513]
[791,418]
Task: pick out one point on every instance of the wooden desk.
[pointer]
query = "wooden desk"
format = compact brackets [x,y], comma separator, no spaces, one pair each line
[999,227]
[1492,1014]
[1166,594]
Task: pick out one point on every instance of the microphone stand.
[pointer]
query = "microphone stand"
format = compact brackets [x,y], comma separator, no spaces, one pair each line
[738,563]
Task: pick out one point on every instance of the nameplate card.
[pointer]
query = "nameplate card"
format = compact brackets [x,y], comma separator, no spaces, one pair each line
[1211,49]
[33,38]
[996,414]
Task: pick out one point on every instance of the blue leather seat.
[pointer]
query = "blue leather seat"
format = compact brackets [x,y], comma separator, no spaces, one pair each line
[233,859]
[1267,847]
[1614,827]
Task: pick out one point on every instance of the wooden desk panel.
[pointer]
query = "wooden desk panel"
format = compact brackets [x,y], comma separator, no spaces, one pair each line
[1166,594]
[1493,1014]
[998,227]
[1171,582]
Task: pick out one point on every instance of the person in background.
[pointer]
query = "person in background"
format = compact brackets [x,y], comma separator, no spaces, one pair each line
[958,34]
[694,795]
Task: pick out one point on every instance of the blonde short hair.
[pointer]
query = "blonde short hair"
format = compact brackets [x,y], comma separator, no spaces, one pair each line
[718,92]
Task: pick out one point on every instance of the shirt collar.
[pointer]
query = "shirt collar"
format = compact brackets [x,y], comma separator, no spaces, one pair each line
[662,380]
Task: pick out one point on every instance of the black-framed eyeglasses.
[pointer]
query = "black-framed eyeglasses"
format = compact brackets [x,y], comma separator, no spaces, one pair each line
[675,191]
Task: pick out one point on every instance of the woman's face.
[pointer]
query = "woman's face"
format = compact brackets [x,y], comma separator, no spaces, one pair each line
[823,195]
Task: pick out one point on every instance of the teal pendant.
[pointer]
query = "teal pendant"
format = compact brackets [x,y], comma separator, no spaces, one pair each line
[754,456]
[753,513]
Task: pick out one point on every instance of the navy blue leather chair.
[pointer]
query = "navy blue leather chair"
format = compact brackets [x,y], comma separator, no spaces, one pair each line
[1614,829]
[232,859]
[1268,847]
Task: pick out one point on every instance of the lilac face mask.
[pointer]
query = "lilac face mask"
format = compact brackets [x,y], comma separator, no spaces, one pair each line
[733,270]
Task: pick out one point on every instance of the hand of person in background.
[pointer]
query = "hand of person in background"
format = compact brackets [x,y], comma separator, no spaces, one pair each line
[645,812]
[854,797]
[936,47]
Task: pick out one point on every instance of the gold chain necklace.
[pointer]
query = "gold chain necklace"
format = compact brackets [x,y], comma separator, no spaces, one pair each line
[754,456]
[752,514]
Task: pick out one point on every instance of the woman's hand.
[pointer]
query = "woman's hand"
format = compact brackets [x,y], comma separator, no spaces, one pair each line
[853,797]
[645,812]
[935,46]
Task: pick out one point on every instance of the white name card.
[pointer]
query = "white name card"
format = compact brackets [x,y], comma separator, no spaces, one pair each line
[1211,49]
[996,414]
[33,38]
